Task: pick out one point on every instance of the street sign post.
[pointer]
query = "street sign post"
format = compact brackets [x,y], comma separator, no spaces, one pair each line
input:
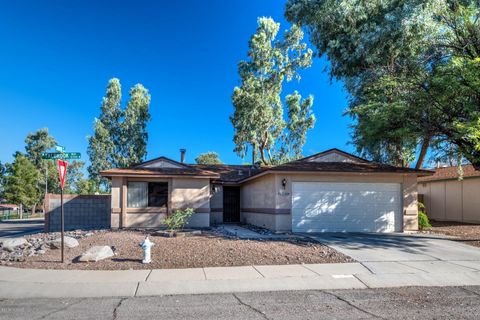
[62,170]
[60,155]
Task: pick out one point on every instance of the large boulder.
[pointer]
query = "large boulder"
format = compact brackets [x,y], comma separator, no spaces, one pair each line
[68,241]
[10,244]
[96,253]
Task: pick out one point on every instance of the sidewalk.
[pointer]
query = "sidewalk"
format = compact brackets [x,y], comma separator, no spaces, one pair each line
[33,283]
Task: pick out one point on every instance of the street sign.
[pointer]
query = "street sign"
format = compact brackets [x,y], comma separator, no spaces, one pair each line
[60,148]
[61,155]
[62,170]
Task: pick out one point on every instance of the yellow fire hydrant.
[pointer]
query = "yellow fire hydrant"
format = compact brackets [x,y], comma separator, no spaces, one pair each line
[146,245]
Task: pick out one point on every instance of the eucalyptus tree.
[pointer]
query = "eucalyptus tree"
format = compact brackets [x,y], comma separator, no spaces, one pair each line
[258,118]
[120,136]
[410,67]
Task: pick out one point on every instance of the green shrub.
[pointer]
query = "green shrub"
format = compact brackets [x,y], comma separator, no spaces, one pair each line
[178,219]
[422,217]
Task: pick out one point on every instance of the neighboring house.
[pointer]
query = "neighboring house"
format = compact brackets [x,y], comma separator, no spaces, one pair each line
[8,207]
[447,198]
[332,191]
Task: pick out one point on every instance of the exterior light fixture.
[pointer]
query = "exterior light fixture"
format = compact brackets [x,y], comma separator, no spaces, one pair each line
[284,183]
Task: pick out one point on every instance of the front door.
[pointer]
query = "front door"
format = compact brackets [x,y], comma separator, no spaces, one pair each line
[231,204]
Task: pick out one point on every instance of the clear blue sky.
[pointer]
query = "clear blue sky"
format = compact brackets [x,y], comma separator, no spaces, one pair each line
[56,58]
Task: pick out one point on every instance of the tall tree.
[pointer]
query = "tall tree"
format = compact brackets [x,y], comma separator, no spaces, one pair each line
[21,182]
[258,109]
[37,143]
[209,157]
[410,67]
[103,146]
[134,134]
[120,135]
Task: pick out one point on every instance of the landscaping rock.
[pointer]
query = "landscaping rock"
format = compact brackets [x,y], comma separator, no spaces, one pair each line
[11,244]
[96,253]
[69,243]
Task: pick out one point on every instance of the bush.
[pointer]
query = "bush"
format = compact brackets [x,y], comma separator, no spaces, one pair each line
[178,219]
[422,217]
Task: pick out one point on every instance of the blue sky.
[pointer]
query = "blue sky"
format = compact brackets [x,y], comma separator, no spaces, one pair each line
[56,58]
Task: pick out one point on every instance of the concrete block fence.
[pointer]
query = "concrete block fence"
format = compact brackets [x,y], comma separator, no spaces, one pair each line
[81,212]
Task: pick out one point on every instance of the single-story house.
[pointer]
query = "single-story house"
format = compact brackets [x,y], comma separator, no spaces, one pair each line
[331,191]
[447,198]
[8,207]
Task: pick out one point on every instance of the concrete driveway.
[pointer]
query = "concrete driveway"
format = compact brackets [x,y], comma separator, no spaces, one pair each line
[403,253]
[18,228]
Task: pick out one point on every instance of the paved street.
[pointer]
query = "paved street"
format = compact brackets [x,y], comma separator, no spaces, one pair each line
[398,303]
[12,228]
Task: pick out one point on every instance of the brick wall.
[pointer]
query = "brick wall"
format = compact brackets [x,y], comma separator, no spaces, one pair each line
[81,211]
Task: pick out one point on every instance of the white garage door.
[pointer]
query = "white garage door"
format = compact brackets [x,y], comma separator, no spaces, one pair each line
[346,207]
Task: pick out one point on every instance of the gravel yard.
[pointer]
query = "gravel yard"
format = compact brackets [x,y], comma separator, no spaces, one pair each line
[463,232]
[205,250]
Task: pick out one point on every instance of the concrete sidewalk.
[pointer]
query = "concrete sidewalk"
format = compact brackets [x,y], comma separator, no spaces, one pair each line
[30,283]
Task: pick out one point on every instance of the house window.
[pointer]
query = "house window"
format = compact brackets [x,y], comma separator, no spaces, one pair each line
[147,194]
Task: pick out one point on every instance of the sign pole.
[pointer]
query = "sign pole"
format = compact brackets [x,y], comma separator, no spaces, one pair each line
[62,224]
[62,170]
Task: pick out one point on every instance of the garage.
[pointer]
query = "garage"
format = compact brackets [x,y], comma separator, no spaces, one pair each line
[346,207]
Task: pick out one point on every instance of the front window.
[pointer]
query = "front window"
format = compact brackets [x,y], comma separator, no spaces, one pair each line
[147,194]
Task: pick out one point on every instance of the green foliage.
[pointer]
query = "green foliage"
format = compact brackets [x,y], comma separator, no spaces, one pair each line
[423,222]
[178,219]
[209,157]
[258,118]
[21,182]
[120,135]
[410,67]
[37,143]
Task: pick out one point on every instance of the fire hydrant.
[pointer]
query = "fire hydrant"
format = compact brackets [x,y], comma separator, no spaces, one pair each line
[146,245]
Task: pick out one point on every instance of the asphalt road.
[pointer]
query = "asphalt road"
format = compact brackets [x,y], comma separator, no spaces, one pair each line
[397,303]
[13,228]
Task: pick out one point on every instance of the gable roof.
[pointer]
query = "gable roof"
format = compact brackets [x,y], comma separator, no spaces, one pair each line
[334,151]
[157,168]
[151,163]
[450,173]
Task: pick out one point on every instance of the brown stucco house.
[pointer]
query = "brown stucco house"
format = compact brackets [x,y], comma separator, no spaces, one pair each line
[332,191]
[448,198]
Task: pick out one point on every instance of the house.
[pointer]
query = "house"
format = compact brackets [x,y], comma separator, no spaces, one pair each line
[331,191]
[8,207]
[447,198]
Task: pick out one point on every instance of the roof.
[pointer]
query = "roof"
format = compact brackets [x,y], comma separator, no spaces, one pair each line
[341,167]
[8,205]
[230,173]
[160,172]
[234,174]
[448,173]
[337,151]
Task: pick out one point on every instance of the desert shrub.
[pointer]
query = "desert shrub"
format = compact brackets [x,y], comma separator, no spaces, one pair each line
[178,219]
[422,217]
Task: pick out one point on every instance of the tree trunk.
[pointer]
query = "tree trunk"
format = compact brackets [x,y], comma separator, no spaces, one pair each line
[20,211]
[423,152]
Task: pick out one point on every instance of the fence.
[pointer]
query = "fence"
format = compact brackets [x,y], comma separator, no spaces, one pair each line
[81,212]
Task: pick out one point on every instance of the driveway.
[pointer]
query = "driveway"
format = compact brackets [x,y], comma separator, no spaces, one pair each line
[18,228]
[403,253]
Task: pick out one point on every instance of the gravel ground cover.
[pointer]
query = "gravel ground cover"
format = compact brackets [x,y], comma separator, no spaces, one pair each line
[463,232]
[210,249]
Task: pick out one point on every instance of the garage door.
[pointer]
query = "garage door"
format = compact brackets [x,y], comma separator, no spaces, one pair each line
[346,207]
